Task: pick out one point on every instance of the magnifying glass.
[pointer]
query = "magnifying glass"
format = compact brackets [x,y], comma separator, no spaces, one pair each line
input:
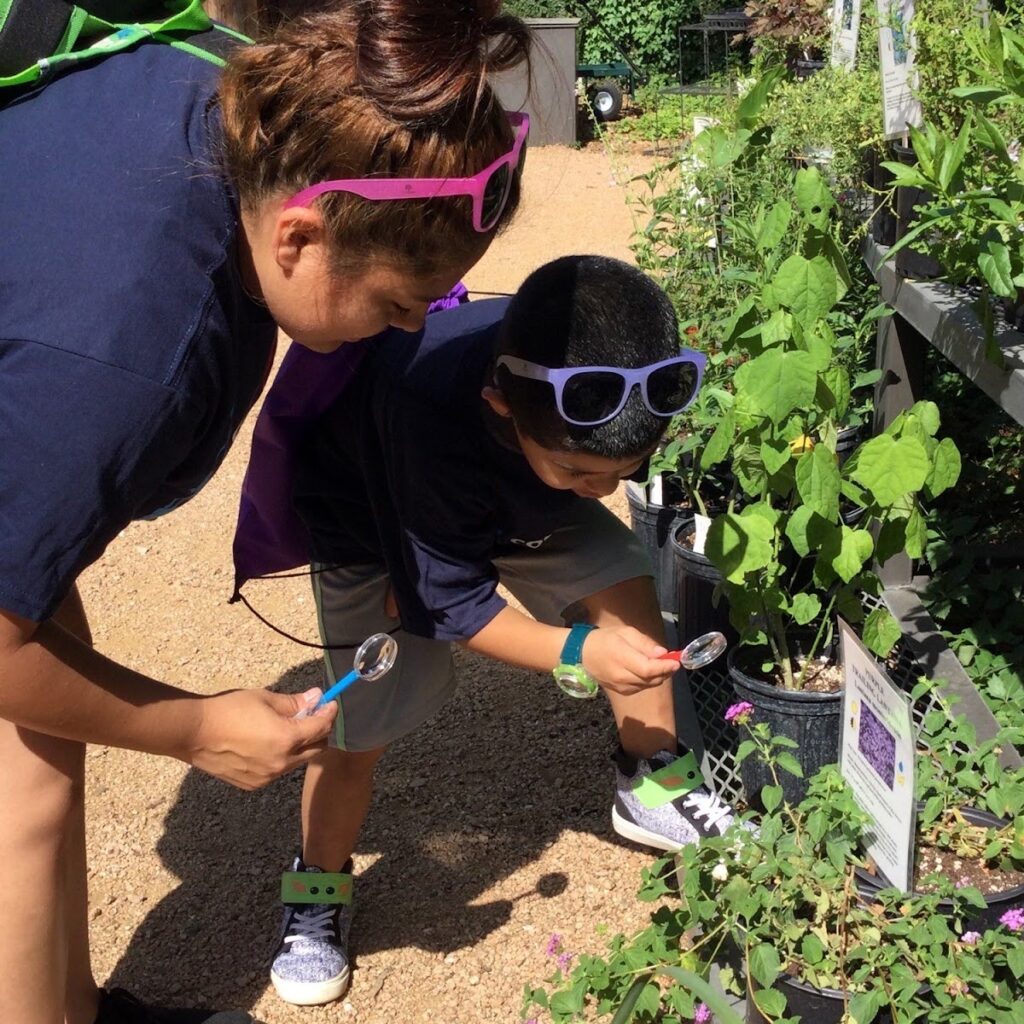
[374,657]
[696,654]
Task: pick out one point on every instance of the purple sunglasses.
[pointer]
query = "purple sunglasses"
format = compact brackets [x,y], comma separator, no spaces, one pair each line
[489,189]
[587,396]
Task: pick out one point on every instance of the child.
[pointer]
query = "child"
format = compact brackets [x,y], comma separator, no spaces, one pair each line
[454,464]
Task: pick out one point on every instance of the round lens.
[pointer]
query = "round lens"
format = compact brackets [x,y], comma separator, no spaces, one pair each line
[703,650]
[495,193]
[670,389]
[576,684]
[375,656]
[591,396]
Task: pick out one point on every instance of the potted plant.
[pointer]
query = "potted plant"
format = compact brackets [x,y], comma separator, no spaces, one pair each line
[778,912]
[792,559]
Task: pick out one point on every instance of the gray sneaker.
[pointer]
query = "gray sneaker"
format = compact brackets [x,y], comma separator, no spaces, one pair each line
[311,960]
[663,802]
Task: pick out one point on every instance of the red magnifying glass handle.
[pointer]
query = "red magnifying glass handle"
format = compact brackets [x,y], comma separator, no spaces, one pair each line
[674,655]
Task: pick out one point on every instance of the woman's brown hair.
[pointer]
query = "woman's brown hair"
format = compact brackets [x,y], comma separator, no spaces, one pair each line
[390,88]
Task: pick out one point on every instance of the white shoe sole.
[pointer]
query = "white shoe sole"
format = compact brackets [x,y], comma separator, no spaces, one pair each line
[630,830]
[311,993]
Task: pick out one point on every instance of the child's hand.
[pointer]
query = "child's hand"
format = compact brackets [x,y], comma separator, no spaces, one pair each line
[250,737]
[622,659]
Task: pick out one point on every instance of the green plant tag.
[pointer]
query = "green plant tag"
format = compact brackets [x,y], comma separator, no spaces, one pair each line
[677,779]
[316,887]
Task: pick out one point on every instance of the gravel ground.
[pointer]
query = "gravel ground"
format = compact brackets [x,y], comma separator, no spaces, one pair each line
[490,827]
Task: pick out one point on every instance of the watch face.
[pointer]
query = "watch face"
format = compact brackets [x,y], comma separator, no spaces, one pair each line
[574,680]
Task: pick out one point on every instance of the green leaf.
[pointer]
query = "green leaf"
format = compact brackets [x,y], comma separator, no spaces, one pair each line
[890,468]
[778,327]
[817,481]
[807,531]
[813,197]
[996,266]
[806,608]
[806,287]
[764,959]
[772,1002]
[953,157]
[737,545]
[916,534]
[1015,960]
[855,548]
[774,455]
[812,948]
[776,223]
[881,631]
[837,380]
[754,99]
[864,1007]
[771,797]
[945,469]
[927,413]
[777,382]
[789,763]
[720,441]
[628,1004]
[717,1002]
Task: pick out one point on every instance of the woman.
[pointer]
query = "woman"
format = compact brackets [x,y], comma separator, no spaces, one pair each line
[161,222]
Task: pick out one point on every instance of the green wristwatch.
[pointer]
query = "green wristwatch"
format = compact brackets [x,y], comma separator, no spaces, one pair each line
[570,675]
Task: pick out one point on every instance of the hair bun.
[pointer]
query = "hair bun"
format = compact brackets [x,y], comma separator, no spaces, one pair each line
[418,61]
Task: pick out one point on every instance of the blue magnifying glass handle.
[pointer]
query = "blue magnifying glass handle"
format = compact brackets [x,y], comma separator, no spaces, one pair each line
[339,687]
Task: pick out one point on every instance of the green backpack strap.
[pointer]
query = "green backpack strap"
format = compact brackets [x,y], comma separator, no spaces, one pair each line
[188,21]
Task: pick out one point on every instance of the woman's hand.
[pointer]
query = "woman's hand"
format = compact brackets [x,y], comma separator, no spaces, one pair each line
[249,737]
[625,661]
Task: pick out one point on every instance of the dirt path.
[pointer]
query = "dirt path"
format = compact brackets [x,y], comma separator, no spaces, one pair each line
[490,828]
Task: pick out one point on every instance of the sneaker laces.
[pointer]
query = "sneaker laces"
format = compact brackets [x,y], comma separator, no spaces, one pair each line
[707,806]
[314,923]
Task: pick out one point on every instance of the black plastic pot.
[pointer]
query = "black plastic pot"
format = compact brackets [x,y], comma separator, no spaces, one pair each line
[847,441]
[811,720]
[696,579]
[908,262]
[820,1005]
[978,920]
[883,223]
[1013,310]
[655,525]
[805,68]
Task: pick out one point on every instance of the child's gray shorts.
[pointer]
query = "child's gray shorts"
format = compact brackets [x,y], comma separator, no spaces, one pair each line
[593,551]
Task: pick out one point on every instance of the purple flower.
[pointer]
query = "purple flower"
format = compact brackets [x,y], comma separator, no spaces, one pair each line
[564,962]
[739,714]
[554,945]
[1014,920]
[970,938]
[702,1014]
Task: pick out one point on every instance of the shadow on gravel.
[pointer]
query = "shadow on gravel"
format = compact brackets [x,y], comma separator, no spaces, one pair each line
[462,803]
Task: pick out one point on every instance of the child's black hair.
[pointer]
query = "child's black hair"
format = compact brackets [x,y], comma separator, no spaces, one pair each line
[586,311]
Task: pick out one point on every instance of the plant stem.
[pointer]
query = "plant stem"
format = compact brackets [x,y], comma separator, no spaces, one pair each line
[817,640]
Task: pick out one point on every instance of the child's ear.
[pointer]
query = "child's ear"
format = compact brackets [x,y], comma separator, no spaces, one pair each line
[296,230]
[495,398]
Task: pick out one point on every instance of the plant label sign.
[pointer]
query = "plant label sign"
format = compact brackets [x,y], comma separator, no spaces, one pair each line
[845,31]
[900,108]
[876,757]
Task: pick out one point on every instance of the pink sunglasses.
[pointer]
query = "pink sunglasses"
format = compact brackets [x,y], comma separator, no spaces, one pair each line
[489,189]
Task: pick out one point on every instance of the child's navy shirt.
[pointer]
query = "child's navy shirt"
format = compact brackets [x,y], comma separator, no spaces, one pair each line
[129,353]
[409,469]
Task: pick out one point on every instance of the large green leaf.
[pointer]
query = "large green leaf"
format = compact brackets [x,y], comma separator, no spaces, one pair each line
[808,532]
[775,225]
[855,548]
[774,455]
[813,197]
[737,545]
[916,534]
[837,380]
[890,468]
[764,963]
[817,482]
[806,608]
[806,287]
[881,631]
[720,441]
[778,382]
[996,266]
[945,469]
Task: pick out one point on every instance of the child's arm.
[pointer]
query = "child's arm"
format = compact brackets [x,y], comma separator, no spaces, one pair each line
[619,658]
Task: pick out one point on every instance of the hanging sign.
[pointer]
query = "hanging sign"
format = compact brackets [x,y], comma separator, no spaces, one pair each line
[876,757]
[845,30]
[896,54]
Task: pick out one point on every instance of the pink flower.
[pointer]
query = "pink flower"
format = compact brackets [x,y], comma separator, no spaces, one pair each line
[739,714]
[970,938]
[702,1014]
[1014,920]
[564,962]
[554,945]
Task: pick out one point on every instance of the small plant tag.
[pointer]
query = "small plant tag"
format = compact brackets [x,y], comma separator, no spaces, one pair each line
[700,532]
[677,779]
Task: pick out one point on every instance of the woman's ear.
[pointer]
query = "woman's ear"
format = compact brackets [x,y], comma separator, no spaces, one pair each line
[495,398]
[298,232]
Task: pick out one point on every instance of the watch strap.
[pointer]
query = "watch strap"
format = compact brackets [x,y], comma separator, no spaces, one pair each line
[572,649]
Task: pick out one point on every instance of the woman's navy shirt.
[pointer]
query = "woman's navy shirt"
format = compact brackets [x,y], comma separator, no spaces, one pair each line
[129,352]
